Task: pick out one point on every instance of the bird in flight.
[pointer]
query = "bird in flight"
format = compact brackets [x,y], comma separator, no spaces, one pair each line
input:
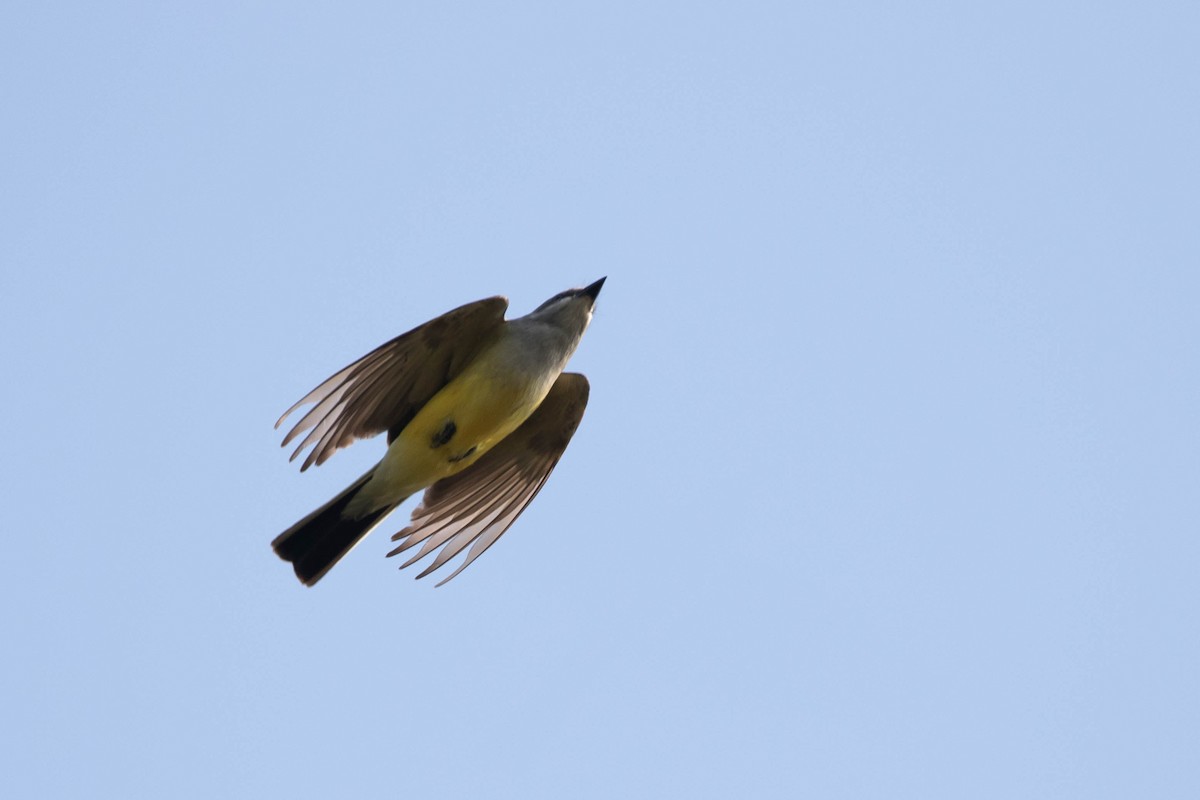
[477,411]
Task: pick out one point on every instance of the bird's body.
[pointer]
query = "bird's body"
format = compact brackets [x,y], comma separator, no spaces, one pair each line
[464,420]
[488,401]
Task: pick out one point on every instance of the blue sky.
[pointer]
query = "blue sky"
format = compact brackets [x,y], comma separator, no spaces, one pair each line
[888,482]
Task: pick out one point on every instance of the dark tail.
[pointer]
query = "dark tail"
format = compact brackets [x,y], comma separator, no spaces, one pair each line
[317,542]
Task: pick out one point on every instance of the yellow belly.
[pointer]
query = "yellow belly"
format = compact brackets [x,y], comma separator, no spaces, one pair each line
[468,417]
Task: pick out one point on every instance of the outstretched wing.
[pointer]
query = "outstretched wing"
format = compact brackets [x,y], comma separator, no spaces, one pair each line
[385,389]
[476,506]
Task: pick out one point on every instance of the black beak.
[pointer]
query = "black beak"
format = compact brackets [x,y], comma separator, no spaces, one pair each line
[593,290]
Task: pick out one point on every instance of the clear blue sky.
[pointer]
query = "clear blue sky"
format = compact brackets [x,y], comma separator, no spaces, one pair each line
[888,486]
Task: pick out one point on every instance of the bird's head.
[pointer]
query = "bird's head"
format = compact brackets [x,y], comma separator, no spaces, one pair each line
[572,309]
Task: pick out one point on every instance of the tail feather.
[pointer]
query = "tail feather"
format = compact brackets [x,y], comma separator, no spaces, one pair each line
[317,542]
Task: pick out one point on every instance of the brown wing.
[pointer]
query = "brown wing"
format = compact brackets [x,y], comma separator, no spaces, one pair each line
[385,389]
[476,506]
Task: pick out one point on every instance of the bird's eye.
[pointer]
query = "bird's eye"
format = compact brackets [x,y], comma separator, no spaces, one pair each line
[556,298]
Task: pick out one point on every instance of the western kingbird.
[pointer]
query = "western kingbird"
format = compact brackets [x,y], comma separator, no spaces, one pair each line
[477,411]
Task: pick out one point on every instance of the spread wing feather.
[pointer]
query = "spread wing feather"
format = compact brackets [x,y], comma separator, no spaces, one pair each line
[385,389]
[474,508]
